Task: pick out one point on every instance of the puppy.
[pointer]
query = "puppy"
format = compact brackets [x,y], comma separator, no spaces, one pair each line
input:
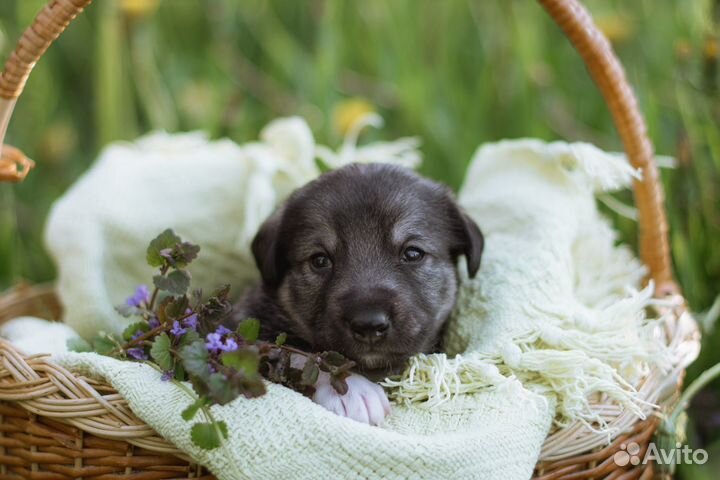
[362,261]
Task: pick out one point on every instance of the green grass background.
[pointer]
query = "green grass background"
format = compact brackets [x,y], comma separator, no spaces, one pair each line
[455,73]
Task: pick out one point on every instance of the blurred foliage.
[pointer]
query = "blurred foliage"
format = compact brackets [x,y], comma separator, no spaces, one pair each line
[455,73]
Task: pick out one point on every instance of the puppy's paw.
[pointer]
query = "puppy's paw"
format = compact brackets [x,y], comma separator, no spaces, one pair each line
[364,401]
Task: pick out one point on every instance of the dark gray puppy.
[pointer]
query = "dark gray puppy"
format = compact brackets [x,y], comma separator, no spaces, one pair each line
[362,261]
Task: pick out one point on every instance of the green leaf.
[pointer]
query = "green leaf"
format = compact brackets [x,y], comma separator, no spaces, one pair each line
[160,352]
[245,361]
[222,426]
[334,358]
[207,435]
[249,329]
[189,413]
[184,253]
[176,282]
[167,239]
[221,390]
[133,329]
[160,310]
[176,307]
[216,308]
[252,387]
[194,358]
[189,337]
[78,344]
[180,255]
[221,293]
[179,372]
[127,310]
[281,339]
[310,373]
[199,385]
[104,343]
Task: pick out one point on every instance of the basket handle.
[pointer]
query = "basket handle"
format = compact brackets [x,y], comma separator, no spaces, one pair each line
[570,15]
[48,25]
[608,74]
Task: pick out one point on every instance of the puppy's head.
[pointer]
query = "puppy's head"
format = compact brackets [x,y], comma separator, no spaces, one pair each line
[362,260]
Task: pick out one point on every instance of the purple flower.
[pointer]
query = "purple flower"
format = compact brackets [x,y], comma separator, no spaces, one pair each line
[214,342]
[191,322]
[230,345]
[154,323]
[169,375]
[141,295]
[221,330]
[177,330]
[137,335]
[137,353]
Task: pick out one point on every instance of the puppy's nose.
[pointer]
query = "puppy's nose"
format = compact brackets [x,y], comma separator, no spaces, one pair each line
[369,325]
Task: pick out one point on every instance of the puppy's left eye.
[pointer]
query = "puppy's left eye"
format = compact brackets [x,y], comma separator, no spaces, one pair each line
[320,261]
[412,254]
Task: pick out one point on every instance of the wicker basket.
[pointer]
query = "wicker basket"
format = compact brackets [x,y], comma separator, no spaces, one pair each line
[56,425]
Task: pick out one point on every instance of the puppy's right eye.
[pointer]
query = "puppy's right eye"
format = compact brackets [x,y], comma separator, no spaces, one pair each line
[320,261]
[412,254]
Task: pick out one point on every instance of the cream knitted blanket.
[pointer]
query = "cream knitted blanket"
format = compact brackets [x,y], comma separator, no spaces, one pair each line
[553,317]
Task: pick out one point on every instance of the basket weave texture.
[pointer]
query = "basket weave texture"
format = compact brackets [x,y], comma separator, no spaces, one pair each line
[57,425]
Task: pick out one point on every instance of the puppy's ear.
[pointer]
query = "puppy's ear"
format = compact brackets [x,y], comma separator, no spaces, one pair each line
[471,240]
[266,250]
[474,246]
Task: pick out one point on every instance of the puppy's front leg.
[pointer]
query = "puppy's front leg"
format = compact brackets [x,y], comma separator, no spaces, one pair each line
[365,401]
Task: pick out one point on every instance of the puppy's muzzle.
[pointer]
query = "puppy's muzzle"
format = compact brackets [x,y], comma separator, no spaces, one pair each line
[369,325]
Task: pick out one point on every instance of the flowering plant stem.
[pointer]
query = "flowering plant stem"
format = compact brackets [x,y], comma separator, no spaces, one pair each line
[184,336]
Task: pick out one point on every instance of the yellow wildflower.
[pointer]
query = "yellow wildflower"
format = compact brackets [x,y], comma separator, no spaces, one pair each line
[139,8]
[347,113]
[617,27]
[710,49]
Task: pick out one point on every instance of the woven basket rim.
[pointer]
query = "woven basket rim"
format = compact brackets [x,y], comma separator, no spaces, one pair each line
[95,407]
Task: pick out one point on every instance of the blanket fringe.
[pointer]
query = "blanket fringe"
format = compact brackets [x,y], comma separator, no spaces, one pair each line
[572,362]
